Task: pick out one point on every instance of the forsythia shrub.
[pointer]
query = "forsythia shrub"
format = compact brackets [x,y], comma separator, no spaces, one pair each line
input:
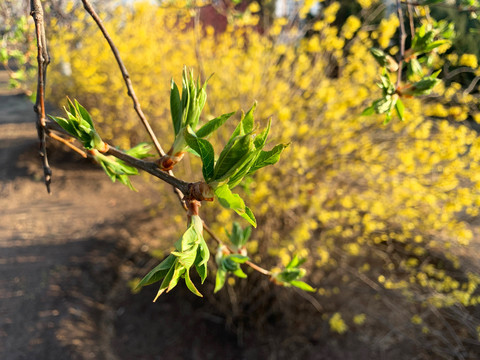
[383,207]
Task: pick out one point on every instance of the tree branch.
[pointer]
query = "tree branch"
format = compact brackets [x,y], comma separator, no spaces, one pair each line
[403,37]
[39,107]
[148,166]
[136,104]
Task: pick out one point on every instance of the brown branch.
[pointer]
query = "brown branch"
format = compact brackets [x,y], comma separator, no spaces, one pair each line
[403,37]
[151,168]
[410,17]
[39,107]
[258,268]
[472,85]
[67,143]
[136,104]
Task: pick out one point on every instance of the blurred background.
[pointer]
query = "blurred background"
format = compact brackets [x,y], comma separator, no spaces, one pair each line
[387,215]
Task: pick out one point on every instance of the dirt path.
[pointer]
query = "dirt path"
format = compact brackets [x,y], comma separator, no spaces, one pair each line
[53,249]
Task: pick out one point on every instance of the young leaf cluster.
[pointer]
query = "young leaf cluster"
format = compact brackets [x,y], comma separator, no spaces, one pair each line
[388,102]
[291,274]
[239,237]
[418,61]
[79,124]
[242,156]
[116,169]
[190,251]
[228,264]
[185,112]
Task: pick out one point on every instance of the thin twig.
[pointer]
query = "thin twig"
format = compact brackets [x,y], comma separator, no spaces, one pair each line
[457,71]
[67,143]
[258,268]
[403,37]
[150,167]
[410,17]
[315,303]
[43,60]
[136,104]
[249,263]
[471,86]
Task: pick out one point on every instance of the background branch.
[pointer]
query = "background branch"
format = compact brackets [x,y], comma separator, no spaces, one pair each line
[403,37]
[136,104]
[39,107]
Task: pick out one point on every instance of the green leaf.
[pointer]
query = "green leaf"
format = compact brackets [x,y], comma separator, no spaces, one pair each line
[205,150]
[220,279]
[246,235]
[250,217]
[158,272]
[177,274]
[188,240]
[379,56]
[368,111]
[436,44]
[266,158]
[186,258]
[261,139]
[213,125]
[233,201]
[246,124]
[239,259]
[175,107]
[165,282]
[140,151]
[229,264]
[288,275]
[84,114]
[202,271]
[399,107]
[414,68]
[239,236]
[237,175]
[239,273]
[295,262]
[190,285]
[302,285]
[3,55]
[232,157]
[65,124]
[383,105]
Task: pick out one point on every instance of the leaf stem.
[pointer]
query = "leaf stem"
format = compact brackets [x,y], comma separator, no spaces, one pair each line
[67,143]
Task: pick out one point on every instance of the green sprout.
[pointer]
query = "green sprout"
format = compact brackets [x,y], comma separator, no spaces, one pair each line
[185,112]
[79,124]
[191,250]
[291,274]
